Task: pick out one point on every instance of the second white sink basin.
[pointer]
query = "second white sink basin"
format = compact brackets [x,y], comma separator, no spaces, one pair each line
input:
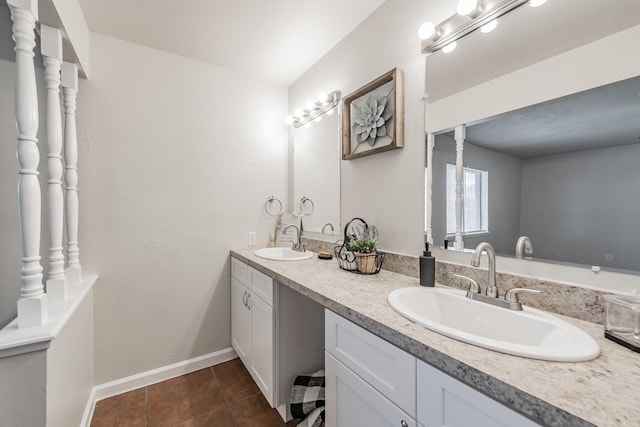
[282,254]
[529,333]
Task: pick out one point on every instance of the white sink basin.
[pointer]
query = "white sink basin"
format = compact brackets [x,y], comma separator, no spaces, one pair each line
[529,333]
[282,254]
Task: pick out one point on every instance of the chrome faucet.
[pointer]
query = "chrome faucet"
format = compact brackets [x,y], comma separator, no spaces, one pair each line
[492,290]
[510,300]
[327,225]
[296,245]
[524,247]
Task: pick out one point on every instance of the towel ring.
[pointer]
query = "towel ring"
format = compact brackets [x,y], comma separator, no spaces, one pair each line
[303,201]
[269,202]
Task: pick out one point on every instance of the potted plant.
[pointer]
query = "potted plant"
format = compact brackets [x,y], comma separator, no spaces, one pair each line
[363,242]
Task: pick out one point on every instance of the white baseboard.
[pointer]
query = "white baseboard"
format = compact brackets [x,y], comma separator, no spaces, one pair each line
[133,382]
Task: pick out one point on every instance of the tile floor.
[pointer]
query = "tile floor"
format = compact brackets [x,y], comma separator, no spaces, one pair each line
[223,395]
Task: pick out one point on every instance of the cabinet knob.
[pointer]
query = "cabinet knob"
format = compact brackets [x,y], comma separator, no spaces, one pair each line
[403,423]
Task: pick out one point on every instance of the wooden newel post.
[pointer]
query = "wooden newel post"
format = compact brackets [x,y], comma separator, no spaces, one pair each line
[32,304]
[70,91]
[51,47]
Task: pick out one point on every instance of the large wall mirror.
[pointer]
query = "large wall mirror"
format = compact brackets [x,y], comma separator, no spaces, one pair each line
[548,135]
[316,174]
[564,173]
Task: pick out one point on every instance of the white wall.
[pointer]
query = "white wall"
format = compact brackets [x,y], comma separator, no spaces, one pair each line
[70,368]
[22,390]
[176,161]
[385,189]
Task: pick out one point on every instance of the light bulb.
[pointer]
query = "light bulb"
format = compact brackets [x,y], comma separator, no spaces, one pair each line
[487,28]
[450,47]
[427,30]
[317,119]
[289,120]
[322,97]
[466,7]
[299,113]
[310,105]
[330,112]
[536,3]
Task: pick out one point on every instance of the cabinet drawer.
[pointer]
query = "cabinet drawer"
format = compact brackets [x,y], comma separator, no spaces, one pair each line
[384,366]
[262,286]
[258,283]
[241,272]
[445,401]
[351,402]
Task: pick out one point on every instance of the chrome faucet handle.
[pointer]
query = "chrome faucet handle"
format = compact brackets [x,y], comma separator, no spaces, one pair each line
[512,294]
[474,287]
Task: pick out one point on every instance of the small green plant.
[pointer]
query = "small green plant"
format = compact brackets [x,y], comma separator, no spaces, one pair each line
[363,239]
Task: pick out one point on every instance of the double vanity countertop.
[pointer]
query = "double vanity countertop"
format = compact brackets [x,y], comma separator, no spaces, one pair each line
[602,392]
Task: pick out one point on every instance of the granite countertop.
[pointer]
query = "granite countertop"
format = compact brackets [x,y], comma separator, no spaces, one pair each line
[601,392]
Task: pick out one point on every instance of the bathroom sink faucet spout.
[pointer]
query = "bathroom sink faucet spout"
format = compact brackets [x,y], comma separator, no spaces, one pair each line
[296,245]
[492,290]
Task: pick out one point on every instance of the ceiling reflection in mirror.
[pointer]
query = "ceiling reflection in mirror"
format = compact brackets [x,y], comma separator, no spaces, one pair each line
[316,174]
[564,173]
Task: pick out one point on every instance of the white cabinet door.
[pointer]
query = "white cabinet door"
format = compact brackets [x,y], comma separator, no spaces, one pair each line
[253,324]
[445,401]
[262,322]
[387,368]
[240,321]
[351,402]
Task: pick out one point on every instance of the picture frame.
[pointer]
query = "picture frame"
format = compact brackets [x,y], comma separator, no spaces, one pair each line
[365,131]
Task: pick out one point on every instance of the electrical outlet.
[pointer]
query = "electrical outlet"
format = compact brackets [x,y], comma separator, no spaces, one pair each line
[608,257]
[251,237]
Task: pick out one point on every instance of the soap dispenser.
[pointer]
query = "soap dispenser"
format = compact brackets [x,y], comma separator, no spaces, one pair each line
[427,268]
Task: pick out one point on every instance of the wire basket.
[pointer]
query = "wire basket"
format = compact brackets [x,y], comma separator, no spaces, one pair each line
[356,262]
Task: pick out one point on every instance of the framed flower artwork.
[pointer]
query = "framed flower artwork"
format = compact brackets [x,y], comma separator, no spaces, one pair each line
[373,117]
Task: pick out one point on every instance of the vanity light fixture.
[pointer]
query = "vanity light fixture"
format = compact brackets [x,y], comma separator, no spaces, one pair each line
[470,16]
[315,109]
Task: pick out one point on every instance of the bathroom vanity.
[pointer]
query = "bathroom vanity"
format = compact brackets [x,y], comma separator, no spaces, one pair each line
[381,365]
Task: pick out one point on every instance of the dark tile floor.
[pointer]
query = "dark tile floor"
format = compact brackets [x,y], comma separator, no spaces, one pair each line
[223,395]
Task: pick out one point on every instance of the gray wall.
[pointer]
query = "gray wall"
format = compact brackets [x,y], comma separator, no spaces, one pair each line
[504,193]
[585,198]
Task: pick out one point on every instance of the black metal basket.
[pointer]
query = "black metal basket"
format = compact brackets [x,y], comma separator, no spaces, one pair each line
[356,262]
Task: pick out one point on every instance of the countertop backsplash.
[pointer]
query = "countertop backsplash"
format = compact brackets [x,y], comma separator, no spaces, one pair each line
[556,297]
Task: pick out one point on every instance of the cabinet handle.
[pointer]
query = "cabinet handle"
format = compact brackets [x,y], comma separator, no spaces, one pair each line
[403,423]
[244,298]
[248,301]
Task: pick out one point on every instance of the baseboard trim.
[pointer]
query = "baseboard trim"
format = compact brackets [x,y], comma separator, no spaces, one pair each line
[88,409]
[143,379]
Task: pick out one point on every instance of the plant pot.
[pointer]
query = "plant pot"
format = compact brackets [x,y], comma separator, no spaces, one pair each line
[366,263]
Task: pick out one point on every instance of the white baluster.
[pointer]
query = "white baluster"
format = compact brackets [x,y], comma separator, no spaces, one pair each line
[460,134]
[51,47]
[32,305]
[70,91]
[429,187]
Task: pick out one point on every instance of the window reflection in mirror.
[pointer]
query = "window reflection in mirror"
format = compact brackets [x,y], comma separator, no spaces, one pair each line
[564,173]
[316,173]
